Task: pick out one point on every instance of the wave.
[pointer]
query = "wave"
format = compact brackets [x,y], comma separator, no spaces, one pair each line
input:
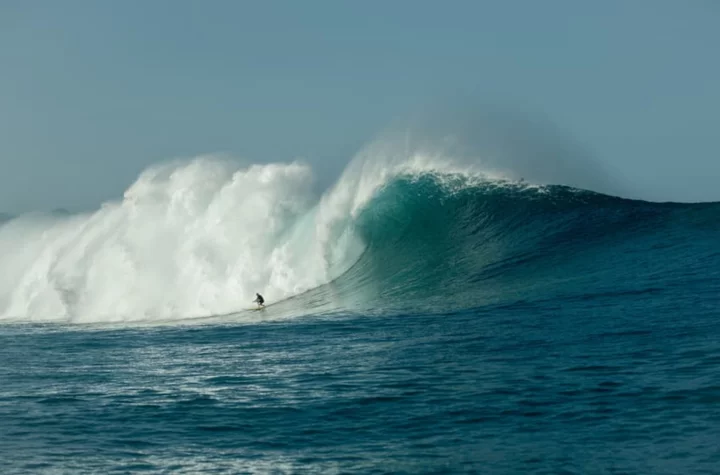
[420,232]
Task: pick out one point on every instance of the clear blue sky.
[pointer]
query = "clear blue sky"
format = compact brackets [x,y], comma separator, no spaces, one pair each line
[92,92]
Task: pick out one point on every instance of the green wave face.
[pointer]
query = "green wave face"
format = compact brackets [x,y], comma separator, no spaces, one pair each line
[449,242]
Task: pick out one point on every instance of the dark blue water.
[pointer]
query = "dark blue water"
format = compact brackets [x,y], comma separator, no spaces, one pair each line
[551,333]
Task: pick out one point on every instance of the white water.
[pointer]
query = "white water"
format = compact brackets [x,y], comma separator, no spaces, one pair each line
[188,239]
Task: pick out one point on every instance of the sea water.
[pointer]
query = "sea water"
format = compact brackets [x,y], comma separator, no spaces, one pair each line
[420,319]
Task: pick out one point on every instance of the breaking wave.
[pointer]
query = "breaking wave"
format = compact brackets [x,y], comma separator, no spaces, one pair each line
[399,229]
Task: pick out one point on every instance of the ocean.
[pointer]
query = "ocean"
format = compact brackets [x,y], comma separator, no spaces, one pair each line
[419,319]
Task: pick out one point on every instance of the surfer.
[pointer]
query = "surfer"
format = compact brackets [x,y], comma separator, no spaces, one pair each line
[260,300]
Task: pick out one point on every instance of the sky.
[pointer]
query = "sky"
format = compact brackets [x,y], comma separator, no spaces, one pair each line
[94,91]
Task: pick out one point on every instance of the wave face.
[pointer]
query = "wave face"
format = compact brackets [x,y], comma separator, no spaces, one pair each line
[448,242]
[420,235]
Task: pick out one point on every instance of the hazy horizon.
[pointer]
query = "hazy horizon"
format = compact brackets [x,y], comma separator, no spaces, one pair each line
[96,92]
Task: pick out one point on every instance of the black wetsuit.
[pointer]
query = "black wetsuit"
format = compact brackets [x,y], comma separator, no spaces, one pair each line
[260,300]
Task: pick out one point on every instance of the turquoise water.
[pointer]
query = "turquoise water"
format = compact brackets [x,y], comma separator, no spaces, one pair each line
[484,330]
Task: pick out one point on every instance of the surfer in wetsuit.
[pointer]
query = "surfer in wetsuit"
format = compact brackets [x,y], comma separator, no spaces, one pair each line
[260,300]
